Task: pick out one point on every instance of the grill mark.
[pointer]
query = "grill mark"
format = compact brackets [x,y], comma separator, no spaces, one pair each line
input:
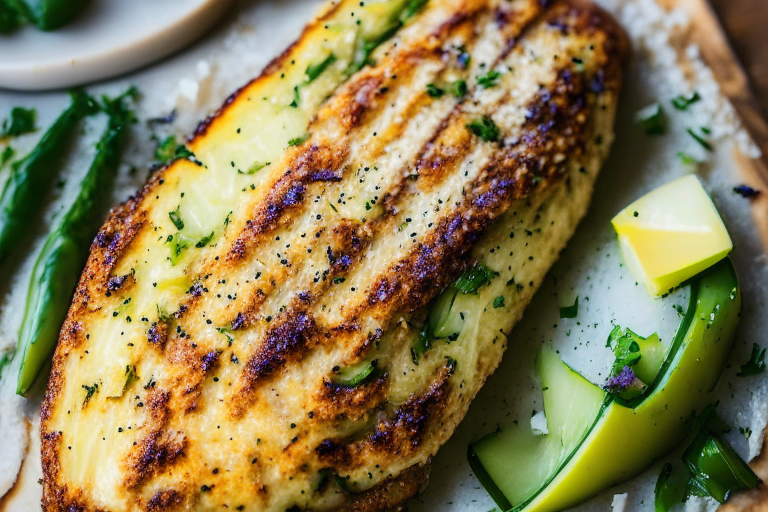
[310,168]
[333,402]
[411,283]
[400,435]
[158,448]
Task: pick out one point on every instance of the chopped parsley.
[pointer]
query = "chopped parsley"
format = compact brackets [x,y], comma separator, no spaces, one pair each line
[315,70]
[435,91]
[458,88]
[756,363]
[204,241]
[625,347]
[168,151]
[257,166]
[226,331]
[484,128]
[746,432]
[489,79]
[474,278]
[499,302]
[176,218]
[652,119]
[298,140]
[450,363]
[686,158]
[22,121]
[89,392]
[683,102]
[570,311]
[701,140]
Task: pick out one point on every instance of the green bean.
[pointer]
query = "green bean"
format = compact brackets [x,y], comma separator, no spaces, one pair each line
[23,193]
[61,260]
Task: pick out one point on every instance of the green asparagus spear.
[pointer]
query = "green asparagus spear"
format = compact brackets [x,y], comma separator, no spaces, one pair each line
[23,192]
[61,260]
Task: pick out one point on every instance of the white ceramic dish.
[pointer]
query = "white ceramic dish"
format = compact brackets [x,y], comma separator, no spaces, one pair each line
[110,38]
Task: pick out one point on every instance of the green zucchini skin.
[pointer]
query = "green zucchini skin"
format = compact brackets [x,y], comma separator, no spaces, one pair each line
[708,327]
[31,176]
[65,251]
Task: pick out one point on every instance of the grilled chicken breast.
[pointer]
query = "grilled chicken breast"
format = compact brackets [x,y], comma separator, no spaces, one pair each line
[275,322]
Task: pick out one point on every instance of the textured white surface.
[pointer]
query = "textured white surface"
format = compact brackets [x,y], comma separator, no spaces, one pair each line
[197,81]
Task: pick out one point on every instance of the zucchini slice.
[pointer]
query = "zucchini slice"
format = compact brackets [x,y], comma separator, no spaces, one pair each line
[596,439]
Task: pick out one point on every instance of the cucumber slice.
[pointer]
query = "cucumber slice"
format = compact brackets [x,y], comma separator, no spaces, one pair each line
[624,436]
[571,402]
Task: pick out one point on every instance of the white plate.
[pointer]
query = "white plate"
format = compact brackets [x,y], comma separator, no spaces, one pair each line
[110,38]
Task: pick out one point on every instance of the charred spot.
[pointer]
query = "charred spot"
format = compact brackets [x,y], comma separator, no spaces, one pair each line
[239,321]
[305,297]
[339,401]
[294,195]
[340,261]
[164,499]
[180,312]
[115,283]
[196,290]
[210,360]
[327,175]
[157,334]
[288,339]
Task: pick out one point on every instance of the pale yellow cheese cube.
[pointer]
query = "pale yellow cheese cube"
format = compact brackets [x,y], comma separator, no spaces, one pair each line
[671,234]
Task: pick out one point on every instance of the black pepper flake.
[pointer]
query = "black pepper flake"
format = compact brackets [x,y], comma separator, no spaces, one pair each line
[746,191]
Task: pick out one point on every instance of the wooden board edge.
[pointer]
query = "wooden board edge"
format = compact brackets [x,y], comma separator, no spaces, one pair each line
[707,33]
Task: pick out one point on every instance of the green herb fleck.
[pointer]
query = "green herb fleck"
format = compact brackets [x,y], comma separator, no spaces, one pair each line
[450,363]
[226,331]
[746,432]
[683,102]
[338,280]
[756,363]
[474,278]
[489,79]
[21,121]
[686,158]
[298,140]
[484,128]
[435,91]
[204,241]
[458,88]
[89,392]
[176,218]
[498,302]
[698,138]
[315,70]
